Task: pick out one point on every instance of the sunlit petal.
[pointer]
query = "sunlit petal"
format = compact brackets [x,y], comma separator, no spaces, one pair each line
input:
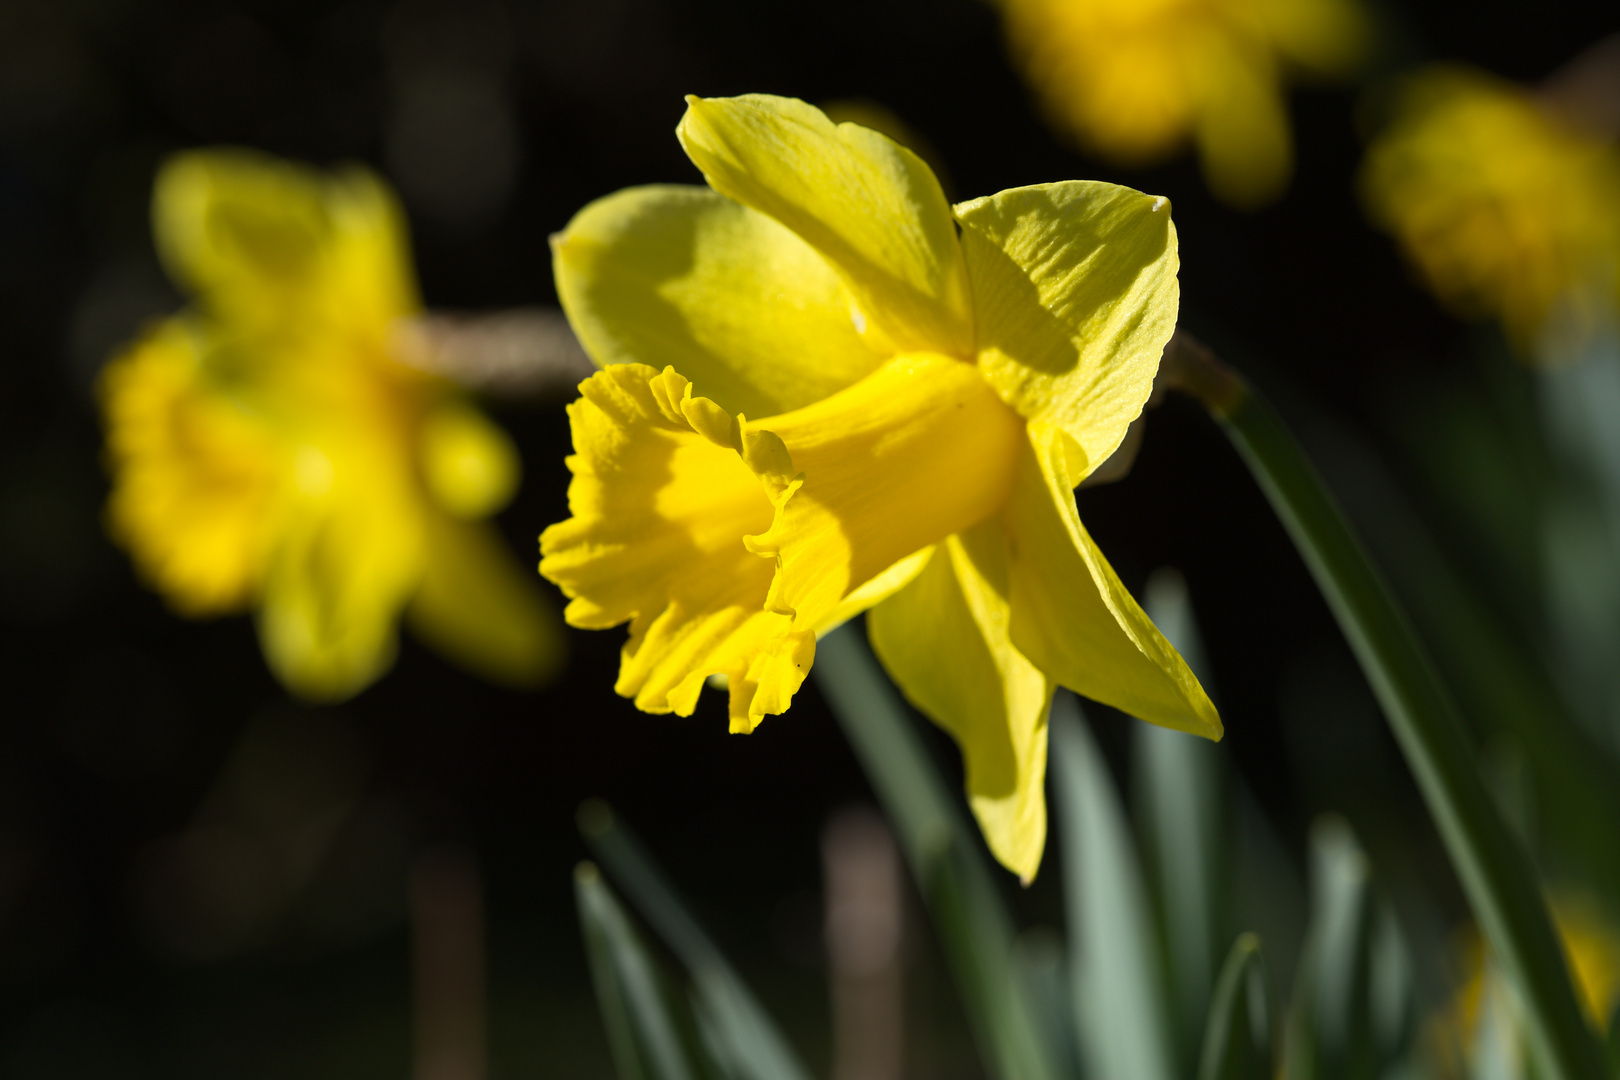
[1075,295]
[733,300]
[869,205]
[1073,618]
[944,639]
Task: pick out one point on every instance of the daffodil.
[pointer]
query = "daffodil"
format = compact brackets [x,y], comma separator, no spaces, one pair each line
[270,451]
[1483,1026]
[1135,80]
[1507,209]
[930,384]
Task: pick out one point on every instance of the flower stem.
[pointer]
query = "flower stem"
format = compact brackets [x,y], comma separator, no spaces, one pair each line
[1496,872]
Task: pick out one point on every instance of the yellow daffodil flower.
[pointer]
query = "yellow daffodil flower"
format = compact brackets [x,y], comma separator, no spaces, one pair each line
[1506,209]
[1135,80]
[931,385]
[269,450]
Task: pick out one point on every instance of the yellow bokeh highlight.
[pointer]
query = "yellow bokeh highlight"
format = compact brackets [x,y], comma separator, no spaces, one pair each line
[270,453]
[1507,209]
[1136,81]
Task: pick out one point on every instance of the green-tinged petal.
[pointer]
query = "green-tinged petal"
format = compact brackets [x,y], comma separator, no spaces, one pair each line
[1075,295]
[478,607]
[1073,618]
[348,559]
[871,206]
[944,640]
[733,300]
[270,246]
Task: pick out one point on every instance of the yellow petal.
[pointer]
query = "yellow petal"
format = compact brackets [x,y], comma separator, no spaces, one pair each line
[918,450]
[478,607]
[1073,618]
[1112,74]
[727,544]
[347,559]
[271,246]
[871,206]
[876,590]
[469,465]
[1075,296]
[195,479]
[944,640]
[685,277]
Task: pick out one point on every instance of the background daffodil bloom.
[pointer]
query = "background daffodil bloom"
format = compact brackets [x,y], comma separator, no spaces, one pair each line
[931,384]
[1135,80]
[1481,1032]
[269,452]
[1507,209]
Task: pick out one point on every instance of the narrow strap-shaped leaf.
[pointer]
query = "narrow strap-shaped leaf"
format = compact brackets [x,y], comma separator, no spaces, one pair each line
[1498,682]
[643,1032]
[1496,873]
[1182,810]
[1392,996]
[735,1023]
[1237,1036]
[944,854]
[1115,963]
[1339,938]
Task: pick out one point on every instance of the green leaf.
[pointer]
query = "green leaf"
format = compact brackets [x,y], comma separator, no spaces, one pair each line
[945,855]
[1499,683]
[644,1029]
[1390,987]
[1496,873]
[1119,1002]
[1334,998]
[734,1024]
[1237,1036]
[1181,787]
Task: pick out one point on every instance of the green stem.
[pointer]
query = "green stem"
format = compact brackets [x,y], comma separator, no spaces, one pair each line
[1496,873]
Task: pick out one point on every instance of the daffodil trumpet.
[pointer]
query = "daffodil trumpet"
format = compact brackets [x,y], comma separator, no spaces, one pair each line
[826,391]
[273,448]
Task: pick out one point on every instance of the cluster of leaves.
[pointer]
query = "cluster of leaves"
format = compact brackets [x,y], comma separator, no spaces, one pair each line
[1134,993]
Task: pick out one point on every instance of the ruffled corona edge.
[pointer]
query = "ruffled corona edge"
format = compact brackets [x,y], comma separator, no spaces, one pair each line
[674,502]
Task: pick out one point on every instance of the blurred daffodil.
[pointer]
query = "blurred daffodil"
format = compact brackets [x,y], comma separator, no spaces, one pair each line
[932,383]
[1506,209]
[1135,80]
[1481,1033]
[269,451]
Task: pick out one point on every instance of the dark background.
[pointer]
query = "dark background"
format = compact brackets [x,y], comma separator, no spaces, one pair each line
[137,747]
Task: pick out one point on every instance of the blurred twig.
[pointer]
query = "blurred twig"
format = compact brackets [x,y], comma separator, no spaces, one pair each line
[517,353]
[447,959]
